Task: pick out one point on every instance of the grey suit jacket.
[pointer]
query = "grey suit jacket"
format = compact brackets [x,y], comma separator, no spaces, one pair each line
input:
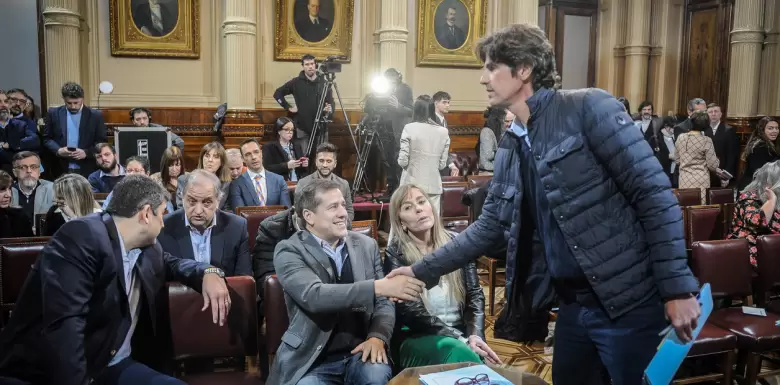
[313,299]
[44,197]
[424,151]
[229,242]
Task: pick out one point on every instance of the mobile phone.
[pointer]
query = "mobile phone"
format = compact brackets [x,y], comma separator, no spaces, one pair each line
[303,158]
[71,149]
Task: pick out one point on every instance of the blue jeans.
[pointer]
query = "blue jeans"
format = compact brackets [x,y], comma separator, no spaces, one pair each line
[587,342]
[348,371]
[129,372]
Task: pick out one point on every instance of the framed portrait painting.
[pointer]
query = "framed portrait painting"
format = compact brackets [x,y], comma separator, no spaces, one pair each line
[447,31]
[320,27]
[155,28]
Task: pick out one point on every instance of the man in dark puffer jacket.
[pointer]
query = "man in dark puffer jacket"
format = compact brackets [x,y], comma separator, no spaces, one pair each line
[574,168]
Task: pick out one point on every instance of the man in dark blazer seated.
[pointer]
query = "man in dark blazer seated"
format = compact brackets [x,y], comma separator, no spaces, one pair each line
[257,186]
[72,131]
[15,135]
[203,232]
[87,312]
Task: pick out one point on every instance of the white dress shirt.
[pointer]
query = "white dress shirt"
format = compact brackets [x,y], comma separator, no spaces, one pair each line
[133,291]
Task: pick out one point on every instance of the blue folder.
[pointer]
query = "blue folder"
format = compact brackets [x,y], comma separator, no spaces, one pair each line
[672,352]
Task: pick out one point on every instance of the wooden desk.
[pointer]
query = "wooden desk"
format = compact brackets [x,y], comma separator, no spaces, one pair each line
[411,376]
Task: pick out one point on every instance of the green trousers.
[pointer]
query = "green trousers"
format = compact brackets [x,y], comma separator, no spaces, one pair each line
[435,350]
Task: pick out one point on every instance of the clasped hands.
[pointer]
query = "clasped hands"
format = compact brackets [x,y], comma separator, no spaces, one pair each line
[78,154]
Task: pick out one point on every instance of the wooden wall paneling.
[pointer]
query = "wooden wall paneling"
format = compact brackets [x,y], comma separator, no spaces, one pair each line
[705,54]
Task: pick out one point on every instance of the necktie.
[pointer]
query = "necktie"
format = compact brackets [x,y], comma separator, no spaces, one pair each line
[316,21]
[259,188]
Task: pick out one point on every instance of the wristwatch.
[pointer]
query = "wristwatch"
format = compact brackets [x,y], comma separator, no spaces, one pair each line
[214,270]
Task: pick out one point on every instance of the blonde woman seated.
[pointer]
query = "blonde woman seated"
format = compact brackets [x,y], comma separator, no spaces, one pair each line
[448,325]
[72,199]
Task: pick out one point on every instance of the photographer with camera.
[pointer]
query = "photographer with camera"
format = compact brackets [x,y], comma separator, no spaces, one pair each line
[398,115]
[306,89]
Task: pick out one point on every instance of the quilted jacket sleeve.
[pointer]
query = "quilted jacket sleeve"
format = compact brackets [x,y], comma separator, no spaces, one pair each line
[638,175]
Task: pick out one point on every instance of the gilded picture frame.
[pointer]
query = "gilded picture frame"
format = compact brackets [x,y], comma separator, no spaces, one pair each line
[319,27]
[448,30]
[155,28]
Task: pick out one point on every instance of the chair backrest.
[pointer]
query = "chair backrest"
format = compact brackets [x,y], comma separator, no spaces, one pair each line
[196,335]
[275,308]
[291,190]
[703,223]
[768,260]
[40,224]
[367,228]
[450,178]
[728,217]
[688,196]
[719,196]
[17,257]
[476,181]
[254,215]
[453,212]
[725,265]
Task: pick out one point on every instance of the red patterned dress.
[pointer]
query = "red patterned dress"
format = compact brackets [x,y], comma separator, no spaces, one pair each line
[750,221]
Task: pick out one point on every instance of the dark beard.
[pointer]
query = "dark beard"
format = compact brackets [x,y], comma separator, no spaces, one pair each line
[109,168]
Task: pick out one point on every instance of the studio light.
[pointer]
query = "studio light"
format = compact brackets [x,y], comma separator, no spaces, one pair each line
[380,85]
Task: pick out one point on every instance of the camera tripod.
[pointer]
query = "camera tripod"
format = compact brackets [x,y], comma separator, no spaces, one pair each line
[367,130]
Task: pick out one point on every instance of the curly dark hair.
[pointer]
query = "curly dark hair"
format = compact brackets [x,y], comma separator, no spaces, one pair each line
[522,45]
[72,90]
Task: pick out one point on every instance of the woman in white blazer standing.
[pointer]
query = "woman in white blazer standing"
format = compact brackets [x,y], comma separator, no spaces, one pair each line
[424,150]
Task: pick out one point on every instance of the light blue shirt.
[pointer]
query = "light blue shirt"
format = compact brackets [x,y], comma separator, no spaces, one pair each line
[521,131]
[168,204]
[201,242]
[73,122]
[338,255]
[129,260]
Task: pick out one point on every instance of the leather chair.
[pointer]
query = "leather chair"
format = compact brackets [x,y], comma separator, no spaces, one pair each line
[704,223]
[719,196]
[476,181]
[40,224]
[768,260]
[254,215]
[291,190]
[100,197]
[195,335]
[367,228]
[450,178]
[725,265]
[276,320]
[688,196]
[728,217]
[454,214]
[17,257]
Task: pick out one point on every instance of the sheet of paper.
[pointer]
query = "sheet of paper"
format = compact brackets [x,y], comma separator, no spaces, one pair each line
[473,373]
[672,351]
[754,311]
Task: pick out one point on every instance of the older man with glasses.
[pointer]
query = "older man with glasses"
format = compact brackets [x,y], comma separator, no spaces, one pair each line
[33,194]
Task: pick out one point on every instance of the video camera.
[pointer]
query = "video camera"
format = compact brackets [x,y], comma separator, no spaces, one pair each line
[331,65]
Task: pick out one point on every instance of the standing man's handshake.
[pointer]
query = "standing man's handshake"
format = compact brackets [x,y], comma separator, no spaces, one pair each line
[399,287]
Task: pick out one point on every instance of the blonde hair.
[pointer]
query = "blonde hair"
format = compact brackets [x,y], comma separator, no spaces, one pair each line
[439,237]
[74,190]
[223,172]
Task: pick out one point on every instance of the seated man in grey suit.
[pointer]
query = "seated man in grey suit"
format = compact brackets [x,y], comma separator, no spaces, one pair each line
[257,186]
[205,233]
[337,298]
[33,194]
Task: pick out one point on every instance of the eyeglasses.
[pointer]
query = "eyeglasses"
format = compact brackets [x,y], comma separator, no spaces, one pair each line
[32,167]
[479,379]
[290,130]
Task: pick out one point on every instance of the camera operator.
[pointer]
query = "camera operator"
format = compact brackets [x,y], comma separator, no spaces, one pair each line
[398,115]
[307,90]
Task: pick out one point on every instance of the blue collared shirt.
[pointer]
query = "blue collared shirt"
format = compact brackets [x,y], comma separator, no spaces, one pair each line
[201,242]
[129,260]
[73,123]
[338,255]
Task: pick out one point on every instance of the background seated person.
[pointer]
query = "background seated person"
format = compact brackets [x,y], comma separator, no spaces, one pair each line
[257,186]
[282,156]
[13,221]
[136,165]
[213,159]
[235,163]
[85,317]
[448,325]
[205,233]
[326,160]
[171,167]
[72,199]
[337,298]
[142,117]
[33,194]
[109,171]
[756,211]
